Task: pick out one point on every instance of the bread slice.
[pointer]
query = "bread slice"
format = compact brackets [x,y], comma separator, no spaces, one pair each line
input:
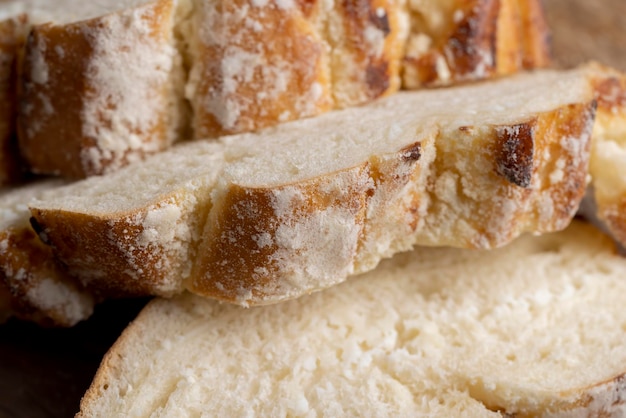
[456,41]
[255,64]
[101,85]
[259,218]
[532,329]
[32,286]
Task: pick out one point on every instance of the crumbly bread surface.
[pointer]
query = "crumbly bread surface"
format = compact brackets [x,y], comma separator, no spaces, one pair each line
[99,93]
[531,329]
[300,207]
[34,287]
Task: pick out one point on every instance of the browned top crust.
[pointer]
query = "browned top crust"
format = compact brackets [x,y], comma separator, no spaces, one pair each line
[98,94]
[479,39]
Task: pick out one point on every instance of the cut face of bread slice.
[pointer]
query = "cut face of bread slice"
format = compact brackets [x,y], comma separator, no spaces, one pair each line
[532,329]
[33,286]
[101,85]
[259,63]
[455,41]
[259,218]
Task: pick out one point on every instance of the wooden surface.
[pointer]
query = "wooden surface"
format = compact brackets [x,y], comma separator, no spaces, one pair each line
[43,373]
[588,29]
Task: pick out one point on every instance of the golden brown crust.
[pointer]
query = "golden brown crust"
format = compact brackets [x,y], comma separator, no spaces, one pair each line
[282,63]
[12,37]
[535,35]
[27,267]
[246,78]
[245,259]
[464,50]
[64,78]
[243,255]
[483,38]
[113,243]
[538,190]
[64,89]
[574,125]
[366,57]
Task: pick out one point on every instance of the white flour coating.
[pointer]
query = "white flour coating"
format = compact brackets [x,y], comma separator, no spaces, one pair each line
[254,78]
[163,225]
[313,248]
[39,69]
[52,295]
[129,66]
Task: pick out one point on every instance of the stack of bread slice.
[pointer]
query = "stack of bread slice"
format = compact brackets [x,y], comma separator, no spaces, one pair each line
[289,189]
[91,87]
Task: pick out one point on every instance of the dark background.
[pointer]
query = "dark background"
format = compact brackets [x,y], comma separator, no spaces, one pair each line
[44,372]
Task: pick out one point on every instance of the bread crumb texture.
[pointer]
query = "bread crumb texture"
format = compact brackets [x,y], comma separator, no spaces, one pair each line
[531,329]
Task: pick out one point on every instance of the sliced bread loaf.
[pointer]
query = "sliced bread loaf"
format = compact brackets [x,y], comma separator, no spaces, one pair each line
[259,218]
[32,285]
[532,329]
[101,86]
[103,83]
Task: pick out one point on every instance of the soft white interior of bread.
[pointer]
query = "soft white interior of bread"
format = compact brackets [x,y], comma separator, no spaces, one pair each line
[14,201]
[65,11]
[184,167]
[525,329]
[337,140]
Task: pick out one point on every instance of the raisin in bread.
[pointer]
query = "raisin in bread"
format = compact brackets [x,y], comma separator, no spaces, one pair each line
[532,329]
[259,218]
